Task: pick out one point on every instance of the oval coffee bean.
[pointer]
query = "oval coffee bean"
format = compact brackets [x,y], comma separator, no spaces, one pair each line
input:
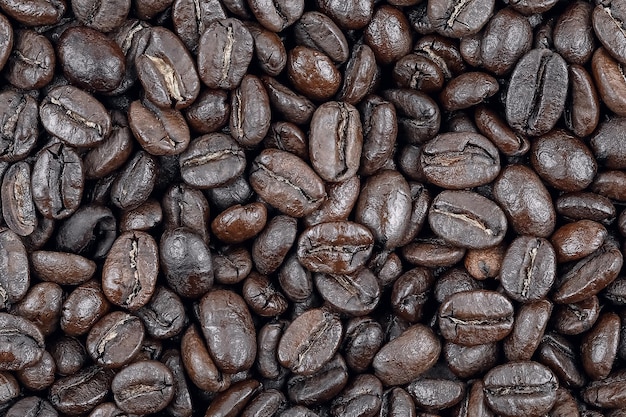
[143,387]
[80,393]
[114,340]
[520,389]
[14,269]
[21,343]
[18,208]
[130,270]
[20,124]
[475,317]
[467,219]
[310,342]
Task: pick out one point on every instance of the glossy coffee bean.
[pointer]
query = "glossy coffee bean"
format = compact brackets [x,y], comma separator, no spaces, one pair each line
[143,387]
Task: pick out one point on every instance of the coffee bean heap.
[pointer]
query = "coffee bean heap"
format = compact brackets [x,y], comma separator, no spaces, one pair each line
[290,208]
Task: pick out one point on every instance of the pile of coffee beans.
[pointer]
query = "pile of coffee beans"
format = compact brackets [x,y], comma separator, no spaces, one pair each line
[301,208]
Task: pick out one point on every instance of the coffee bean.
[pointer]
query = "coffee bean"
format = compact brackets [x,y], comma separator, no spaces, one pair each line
[199,365]
[388,34]
[14,268]
[18,208]
[114,340]
[19,130]
[312,73]
[277,16]
[31,64]
[251,114]
[604,17]
[531,321]
[599,346]
[269,49]
[40,12]
[191,19]
[158,131]
[457,19]
[143,387]
[81,392]
[529,385]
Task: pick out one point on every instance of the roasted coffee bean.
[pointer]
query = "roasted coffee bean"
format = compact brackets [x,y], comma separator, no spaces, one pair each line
[21,343]
[277,16]
[231,265]
[321,387]
[316,30]
[530,324]
[362,397]
[419,117]
[200,367]
[262,296]
[335,247]
[69,355]
[599,346]
[525,200]
[145,217]
[19,125]
[529,109]
[475,317]
[272,245]
[57,181]
[6,40]
[210,111]
[81,392]
[410,293]
[494,128]
[605,17]
[114,340]
[310,342]
[251,114]
[388,34]
[212,160]
[560,355]
[41,12]
[606,393]
[164,316]
[574,241]
[228,330]
[484,263]
[457,19]
[589,276]
[356,294]
[89,296]
[582,108]
[295,280]
[360,75]
[295,108]
[102,66]
[576,318]
[436,394]
[363,338]
[454,281]
[191,19]
[467,219]
[75,117]
[113,152]
[341,199]
[468,90]
[312,73]
[225,52]
[234,399]
[397,402]
[286,182]
[520,389]
[18,208]
[14,269]
[143,387]
[573,33]
[32,61]
[42,306]
[240,223]
[90,230]
[40,375]
[158,131]
[130,270]
[459,160]
[432,252]
[32,406]
[135,181]
[269,49]
[184,206]
[391,364]
[584,205]
[104,17]
[468,361]
[528,269]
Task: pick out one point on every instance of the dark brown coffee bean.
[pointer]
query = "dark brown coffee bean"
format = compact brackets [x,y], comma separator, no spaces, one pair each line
[468,90]
[200,368]
[21,342]
[576,318]
[277,16]
[356,294]
[269,49]
[268,338]
[104,17]
[57,181]
[459,160]
[318,31]
[90,230]
[40,12]
[262,296]
[251,113]
[42,306]
[467,219]
[81,392]
[528,7]
[186,262]
[286,182]
[210,112]
[225,52]
[418,72]
[75,117]
[181,405]
[114,340]
[360,75]
[529,109]
[457,19]
[599,346]
[341,199]
[89,298]
[231,265]
[435,394]
[475,317]
[388,34]
[18,208]
[335,247]
[525,200]
[240,223]
[559,354]
[468,361]
[419,117]
[68,354]
[6,40]
[143,387]
[32,406]
[392,365]
[589,276]
[573,33]
[158,131]
[608,392]
[582,108]
[31,64]
[113,152]
[271,246]
[520,389]
[432,252]
[295,108]
[604,18]
[102,66]
[232,401]
[14,269]
[321,387]
[145,217]
[228,330]
[295,280]
[494,128]
[363,339]
[40,375]
[312,73]
[191,19]
[20,125]
[574,241]
[530,324]
[310,342]
[484,263]
[184,206]
[212,160]
[362,397]
[581,206]
[130,270]
[528,269]
[410,293]
[135,181]
[164,316]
